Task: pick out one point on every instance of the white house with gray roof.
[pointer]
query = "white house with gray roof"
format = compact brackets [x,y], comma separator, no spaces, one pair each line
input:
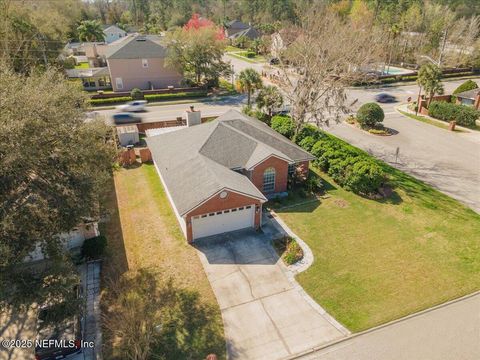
[218,174]
[138,61]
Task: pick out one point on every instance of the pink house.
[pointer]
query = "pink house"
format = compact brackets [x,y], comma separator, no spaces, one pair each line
[138,61]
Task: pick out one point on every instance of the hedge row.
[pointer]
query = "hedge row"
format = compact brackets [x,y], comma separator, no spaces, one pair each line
[151,97]
[462,114]
[391,80]
[348,166]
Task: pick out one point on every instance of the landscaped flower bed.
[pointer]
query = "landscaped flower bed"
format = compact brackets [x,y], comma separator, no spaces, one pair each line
[288,249]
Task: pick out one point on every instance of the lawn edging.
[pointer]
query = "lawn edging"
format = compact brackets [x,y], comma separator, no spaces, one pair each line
[380,327]
[303,264]
[307,260]
[405,111]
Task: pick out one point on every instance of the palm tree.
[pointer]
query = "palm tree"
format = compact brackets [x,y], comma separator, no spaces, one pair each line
[90,30]
[429,77]
[249,80]
[269,98]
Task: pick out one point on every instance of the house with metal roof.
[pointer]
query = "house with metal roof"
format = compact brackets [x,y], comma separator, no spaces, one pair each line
[138,61]
[218,174]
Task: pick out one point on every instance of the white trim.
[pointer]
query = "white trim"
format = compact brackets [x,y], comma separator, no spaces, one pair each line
[223,223]
[262,199]
[181,220]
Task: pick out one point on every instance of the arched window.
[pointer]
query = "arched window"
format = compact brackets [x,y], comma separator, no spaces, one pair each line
[269,180]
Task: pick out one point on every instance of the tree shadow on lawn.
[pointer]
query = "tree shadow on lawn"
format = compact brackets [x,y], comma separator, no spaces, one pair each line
[116,262]
[425,194]
[163,320]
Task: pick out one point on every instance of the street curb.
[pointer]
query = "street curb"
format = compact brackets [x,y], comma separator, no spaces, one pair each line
[407,83]
[379,327]
[292,270]
[407,110]
[173,102]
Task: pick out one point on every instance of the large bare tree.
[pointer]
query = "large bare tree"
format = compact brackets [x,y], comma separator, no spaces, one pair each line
[328,55]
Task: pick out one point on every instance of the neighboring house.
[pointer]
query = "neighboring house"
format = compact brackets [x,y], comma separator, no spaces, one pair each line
[218,174]
[91,52]
[235,29]
[138,61]
[470,97]
[113,33]
[92,79]
[71,241]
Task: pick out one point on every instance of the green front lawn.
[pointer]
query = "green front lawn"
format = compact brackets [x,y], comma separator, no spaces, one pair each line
[255,59]
[83,65]
[379,260]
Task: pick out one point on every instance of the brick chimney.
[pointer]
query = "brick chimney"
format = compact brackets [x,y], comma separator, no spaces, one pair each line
[194,117]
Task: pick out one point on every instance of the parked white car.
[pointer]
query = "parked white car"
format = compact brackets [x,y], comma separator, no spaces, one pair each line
[137,105]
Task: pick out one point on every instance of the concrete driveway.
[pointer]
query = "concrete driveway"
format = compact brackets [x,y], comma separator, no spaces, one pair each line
[265,314]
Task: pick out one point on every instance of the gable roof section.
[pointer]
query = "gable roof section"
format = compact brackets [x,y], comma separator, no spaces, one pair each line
[196,162]
[237,24]
[469,94]
[137,47]
[113,28]
[265,135]
[249,32]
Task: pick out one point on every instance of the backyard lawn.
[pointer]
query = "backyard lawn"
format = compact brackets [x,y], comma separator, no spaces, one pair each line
[83,65]
[379,260]
[143,233]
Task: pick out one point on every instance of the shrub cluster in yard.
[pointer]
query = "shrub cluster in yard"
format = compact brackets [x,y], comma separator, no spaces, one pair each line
[369,115]
[136,94]
[349,167]
[462,114]
[284,125]
[288,249]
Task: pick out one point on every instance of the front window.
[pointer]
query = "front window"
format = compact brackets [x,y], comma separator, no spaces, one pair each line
[269,180]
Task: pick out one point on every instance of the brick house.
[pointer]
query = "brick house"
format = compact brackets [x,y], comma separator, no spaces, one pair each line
[218,174]
[470,98]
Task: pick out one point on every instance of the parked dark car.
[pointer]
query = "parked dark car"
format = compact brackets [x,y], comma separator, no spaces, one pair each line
[60,336]
[385,98]
[126,118]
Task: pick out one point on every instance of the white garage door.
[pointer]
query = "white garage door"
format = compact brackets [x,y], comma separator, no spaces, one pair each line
[223,221]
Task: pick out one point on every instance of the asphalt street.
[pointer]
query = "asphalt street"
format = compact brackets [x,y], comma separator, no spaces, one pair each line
[448,161]
[450,332]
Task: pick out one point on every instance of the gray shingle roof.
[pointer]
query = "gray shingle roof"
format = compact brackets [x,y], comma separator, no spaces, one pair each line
[470,94]
[137,47]
[250,32]
[197,162]
[237,24]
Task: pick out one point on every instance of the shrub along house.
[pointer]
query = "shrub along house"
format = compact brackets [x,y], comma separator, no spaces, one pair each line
[217,175]
[138,61]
